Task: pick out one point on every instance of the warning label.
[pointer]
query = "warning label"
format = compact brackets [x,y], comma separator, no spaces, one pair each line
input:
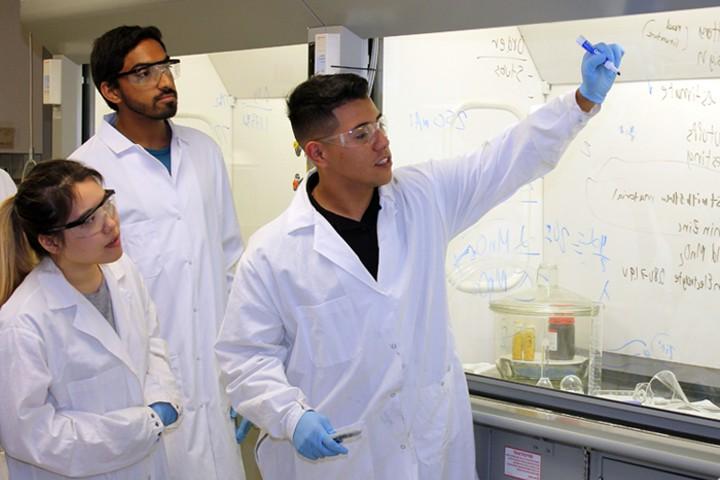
[522,464]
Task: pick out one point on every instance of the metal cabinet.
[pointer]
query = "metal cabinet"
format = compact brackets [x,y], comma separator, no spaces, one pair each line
[516,441]
[502,454]
[605,467]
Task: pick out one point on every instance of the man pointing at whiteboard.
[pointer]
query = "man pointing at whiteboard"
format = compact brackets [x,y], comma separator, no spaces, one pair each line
[338,317]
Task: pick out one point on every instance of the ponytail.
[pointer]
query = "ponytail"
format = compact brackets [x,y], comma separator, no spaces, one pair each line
[17,258]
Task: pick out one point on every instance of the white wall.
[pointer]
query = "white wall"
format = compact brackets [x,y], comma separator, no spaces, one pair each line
[66,117]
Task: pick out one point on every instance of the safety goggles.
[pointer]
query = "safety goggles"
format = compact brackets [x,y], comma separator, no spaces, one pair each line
[92,222]
[148,75]
[357,136]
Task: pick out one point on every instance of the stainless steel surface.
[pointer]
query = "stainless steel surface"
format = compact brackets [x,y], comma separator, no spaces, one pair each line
[660,449]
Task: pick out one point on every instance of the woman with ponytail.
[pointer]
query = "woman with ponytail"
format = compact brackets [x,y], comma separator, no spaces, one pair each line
[86,387]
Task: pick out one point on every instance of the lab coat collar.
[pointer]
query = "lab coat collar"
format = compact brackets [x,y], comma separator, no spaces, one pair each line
[328,243]
[302,214]
[119,143]
[60,295]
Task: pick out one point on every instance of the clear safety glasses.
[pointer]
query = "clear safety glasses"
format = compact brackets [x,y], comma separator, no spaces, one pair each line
[358,136]
[92,222]
[148,75]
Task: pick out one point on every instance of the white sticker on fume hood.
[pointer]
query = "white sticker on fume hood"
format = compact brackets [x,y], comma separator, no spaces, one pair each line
[522,464]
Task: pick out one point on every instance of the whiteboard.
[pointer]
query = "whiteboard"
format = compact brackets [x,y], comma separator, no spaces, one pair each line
[433,87]
[643,236]
[661,46]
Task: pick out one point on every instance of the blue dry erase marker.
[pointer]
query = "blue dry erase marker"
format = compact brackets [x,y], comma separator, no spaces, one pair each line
[583,42]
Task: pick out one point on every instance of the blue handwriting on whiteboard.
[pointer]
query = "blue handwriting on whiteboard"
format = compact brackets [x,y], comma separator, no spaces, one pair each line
[586,242]
[446,119]
[605,293]
[485,245]
[523,245]
[628,131]
[255,121]
[502,241]
[224,100]
[659,347]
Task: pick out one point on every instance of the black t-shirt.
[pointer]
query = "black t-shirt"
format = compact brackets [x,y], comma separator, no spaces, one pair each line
[362,235]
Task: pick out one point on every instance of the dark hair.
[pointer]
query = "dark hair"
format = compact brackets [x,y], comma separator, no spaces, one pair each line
[43,200]
[109,52]
[311,104]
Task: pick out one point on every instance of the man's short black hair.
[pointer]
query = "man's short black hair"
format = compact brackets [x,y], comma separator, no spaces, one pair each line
[109,52]
[311,104]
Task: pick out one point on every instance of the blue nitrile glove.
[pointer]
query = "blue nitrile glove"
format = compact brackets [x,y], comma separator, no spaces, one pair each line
[242,429]
[312,437]
[166,412]
[597,79]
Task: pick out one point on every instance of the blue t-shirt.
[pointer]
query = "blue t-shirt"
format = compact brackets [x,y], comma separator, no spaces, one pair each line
[163,155]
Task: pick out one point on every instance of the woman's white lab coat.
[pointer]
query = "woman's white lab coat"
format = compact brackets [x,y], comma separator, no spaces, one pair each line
[308,327]
[182,233]
[74,394]
[7,185]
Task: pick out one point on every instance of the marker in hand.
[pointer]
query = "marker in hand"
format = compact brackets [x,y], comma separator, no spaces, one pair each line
[583,42]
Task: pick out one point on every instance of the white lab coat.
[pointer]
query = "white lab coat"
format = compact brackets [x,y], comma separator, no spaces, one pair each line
[75,395]
[7,188]
[182,232]
[308,327]
[7,185]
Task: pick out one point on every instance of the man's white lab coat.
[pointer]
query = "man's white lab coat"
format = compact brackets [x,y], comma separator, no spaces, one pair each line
[75,393]
[182,232]
[307,327]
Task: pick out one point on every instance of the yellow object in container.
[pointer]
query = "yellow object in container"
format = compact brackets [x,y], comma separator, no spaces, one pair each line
[518,343]
[529,343]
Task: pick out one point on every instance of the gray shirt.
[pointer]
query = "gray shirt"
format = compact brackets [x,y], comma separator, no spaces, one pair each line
[103,302]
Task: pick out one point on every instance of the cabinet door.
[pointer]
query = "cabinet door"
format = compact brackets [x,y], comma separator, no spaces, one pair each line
[524,457]
[617,470]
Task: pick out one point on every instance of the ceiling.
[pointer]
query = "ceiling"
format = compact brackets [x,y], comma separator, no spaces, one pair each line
[203,26]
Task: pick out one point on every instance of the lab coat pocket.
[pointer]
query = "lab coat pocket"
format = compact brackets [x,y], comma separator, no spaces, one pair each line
[140,242]
[436,421]
[102,393]
[329,332]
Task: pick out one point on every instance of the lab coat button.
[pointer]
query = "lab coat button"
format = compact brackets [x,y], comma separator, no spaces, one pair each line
[393,346]
[402,447]
[392,395]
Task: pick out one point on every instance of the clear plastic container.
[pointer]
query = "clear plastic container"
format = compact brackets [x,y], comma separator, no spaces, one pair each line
[564,324]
